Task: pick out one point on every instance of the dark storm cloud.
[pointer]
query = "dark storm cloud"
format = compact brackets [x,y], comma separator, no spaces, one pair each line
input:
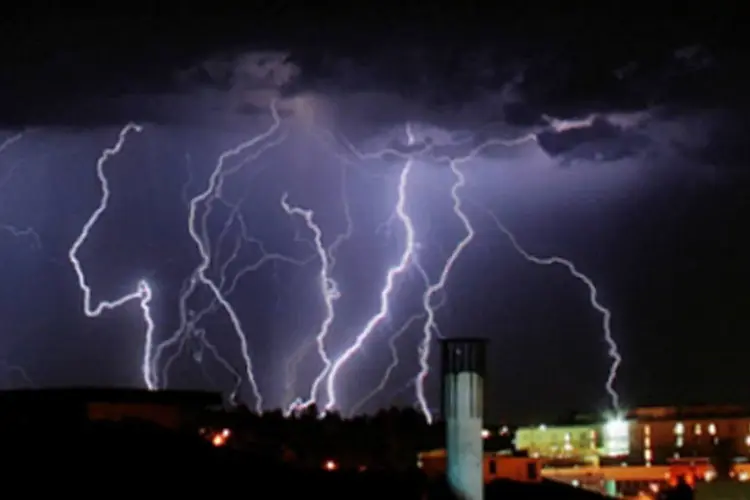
[475,92]
[505,89]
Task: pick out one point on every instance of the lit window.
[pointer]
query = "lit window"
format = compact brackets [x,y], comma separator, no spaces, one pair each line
[712,429]
[747,440]
[680,441]
[679,429]
[698,430]
[647,430]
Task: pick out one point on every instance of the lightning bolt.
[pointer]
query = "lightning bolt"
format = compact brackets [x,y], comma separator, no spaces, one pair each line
[429,324]
[201,335]
[13,230]
[392,366]
[11,369]
[226,285]
[392,344]
[291,374]
[27,232]
[200,238]
[393,273]
[8,142]
[329,293]
[328,289]
[143,292]
[613,352]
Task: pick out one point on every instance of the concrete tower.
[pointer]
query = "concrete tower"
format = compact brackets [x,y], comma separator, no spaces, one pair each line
[463,367]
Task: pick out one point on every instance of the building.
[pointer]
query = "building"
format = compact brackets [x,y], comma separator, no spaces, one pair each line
[573,442]
[649,435]
[175,410]
[658,434]
[496,465]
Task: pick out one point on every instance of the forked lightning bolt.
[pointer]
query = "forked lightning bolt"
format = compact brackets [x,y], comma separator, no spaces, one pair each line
[429,325]
[142,293]
[393,273]
[395,360]
[227,284]
[199,236]
[297,357]
[392,366]
[328,289]
[613,352]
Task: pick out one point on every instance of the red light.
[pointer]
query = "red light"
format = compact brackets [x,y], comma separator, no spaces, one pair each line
[218,440]
[330,465]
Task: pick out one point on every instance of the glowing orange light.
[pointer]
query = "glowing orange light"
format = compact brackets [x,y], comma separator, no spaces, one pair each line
[330,465]
[218,440]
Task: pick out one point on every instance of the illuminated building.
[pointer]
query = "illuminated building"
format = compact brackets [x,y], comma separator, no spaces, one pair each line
[662,433]
[649,435]
[562,442]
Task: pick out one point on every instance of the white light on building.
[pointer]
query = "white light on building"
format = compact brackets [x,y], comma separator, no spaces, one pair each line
[616,438]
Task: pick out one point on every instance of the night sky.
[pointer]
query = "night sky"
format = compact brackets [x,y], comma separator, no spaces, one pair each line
[649,198]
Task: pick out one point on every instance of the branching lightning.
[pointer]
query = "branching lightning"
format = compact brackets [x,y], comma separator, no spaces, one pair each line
[143,291]
[395,359]
[613,352]
[328,288]
[392,366]
[393,273]
[429,325]
[201,240]
[227,285]
[215,259]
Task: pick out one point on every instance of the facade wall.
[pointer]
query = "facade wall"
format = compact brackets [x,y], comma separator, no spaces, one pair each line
[658,441]
[494,466]
[648,436]
[559,442]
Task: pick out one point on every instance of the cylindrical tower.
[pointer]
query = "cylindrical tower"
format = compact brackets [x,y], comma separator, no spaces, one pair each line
[464,367]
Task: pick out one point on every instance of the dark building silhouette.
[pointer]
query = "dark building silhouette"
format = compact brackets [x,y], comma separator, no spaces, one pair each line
[176,410]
